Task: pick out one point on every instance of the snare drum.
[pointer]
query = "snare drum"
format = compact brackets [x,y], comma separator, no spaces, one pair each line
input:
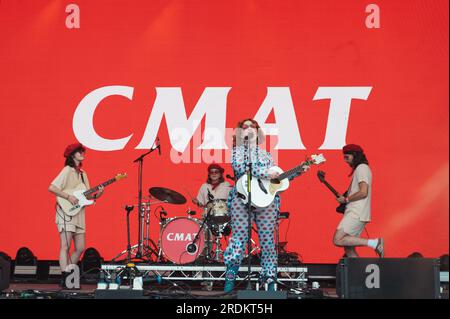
[177,234]
[218,211]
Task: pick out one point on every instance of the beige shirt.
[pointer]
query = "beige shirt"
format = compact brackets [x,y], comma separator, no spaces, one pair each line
[220,192]
[68,179]
[362,207]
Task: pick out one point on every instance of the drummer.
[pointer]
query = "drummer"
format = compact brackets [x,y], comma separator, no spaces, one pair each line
[215,187]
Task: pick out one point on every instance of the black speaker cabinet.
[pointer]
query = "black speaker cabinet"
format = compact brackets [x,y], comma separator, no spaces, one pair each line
[5,272]
[388,278]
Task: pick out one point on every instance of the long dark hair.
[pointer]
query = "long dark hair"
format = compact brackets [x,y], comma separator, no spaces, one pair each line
[358,159]
[221,179]
[70,161]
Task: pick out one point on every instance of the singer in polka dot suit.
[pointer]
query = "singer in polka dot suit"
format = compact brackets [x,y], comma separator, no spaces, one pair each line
[265,218]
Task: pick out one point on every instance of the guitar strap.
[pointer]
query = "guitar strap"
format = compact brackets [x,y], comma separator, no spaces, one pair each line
[82,178]
[64,214]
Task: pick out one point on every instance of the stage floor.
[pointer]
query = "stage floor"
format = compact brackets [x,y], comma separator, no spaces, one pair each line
[153,291]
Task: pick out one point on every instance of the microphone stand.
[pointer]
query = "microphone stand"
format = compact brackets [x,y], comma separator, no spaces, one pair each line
[130,269]
[191,248]
[140,161]
[249,211]
[128,208]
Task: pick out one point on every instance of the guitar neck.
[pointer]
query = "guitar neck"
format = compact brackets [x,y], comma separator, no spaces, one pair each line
[293,171]
[96,188]
[331,188]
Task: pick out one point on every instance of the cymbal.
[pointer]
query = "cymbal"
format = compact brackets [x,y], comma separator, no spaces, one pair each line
[165,194]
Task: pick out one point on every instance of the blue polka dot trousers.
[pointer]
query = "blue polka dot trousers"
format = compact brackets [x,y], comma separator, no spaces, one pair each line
[265,219]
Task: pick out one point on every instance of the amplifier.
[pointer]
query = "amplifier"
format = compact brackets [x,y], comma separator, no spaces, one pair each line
[388,278]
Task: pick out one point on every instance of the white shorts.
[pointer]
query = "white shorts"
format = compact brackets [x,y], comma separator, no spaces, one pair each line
[351,225]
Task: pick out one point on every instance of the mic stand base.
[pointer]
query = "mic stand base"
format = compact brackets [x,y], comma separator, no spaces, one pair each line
[146,257]
[205,221]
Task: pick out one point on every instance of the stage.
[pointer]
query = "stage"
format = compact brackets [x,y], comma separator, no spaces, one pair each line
[148,145]
[169,281]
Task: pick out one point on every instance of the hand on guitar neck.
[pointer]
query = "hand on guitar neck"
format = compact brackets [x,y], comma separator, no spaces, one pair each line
[263,191]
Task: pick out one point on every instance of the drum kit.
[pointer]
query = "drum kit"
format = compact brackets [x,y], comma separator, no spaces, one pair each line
[187,239]
[184,239]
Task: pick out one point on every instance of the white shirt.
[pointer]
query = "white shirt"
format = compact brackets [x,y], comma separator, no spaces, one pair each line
[220,192]
[361,207]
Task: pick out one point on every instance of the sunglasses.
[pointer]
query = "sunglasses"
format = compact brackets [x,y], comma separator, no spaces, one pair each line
[214,172]
[245,126]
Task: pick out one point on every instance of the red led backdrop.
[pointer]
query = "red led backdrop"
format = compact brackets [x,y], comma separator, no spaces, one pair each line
[49,64]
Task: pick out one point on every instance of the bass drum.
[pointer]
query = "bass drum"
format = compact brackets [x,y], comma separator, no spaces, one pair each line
[177,238]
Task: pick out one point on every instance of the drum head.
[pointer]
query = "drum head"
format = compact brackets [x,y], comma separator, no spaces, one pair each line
[218,211]
[177,235]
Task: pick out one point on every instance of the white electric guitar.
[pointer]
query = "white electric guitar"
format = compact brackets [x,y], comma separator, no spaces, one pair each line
[81,194]
[264,190]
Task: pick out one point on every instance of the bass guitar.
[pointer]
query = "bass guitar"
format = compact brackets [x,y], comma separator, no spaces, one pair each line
[341,208]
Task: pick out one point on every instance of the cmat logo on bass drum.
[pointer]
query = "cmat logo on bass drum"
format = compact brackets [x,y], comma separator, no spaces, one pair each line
[181,236]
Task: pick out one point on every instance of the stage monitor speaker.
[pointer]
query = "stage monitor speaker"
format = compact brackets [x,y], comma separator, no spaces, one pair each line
[388,278]
[5,272]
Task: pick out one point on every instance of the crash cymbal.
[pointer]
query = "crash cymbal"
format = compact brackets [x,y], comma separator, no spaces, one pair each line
[168,195]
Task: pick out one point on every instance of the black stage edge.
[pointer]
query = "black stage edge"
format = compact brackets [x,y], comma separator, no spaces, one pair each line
[400,278]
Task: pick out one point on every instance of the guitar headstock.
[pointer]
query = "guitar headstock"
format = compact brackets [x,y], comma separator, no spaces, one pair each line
[318,159]
[313,159]
[121,176]
[321,176]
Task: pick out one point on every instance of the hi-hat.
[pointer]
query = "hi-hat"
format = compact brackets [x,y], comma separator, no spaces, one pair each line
[167,195]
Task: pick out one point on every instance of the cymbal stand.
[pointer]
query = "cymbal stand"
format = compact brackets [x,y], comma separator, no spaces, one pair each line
[145,245]
[148,245]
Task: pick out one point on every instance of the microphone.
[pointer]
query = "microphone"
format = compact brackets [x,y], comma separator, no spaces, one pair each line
[129,208]
[231,177]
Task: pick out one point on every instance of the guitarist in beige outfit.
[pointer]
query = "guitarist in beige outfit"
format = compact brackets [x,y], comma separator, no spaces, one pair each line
[71,227]
[358,205]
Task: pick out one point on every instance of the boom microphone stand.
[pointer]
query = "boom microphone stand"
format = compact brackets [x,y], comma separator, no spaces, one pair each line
[192,248]
[141,213]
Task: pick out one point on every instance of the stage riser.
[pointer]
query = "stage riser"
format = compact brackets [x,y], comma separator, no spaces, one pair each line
[296,276]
